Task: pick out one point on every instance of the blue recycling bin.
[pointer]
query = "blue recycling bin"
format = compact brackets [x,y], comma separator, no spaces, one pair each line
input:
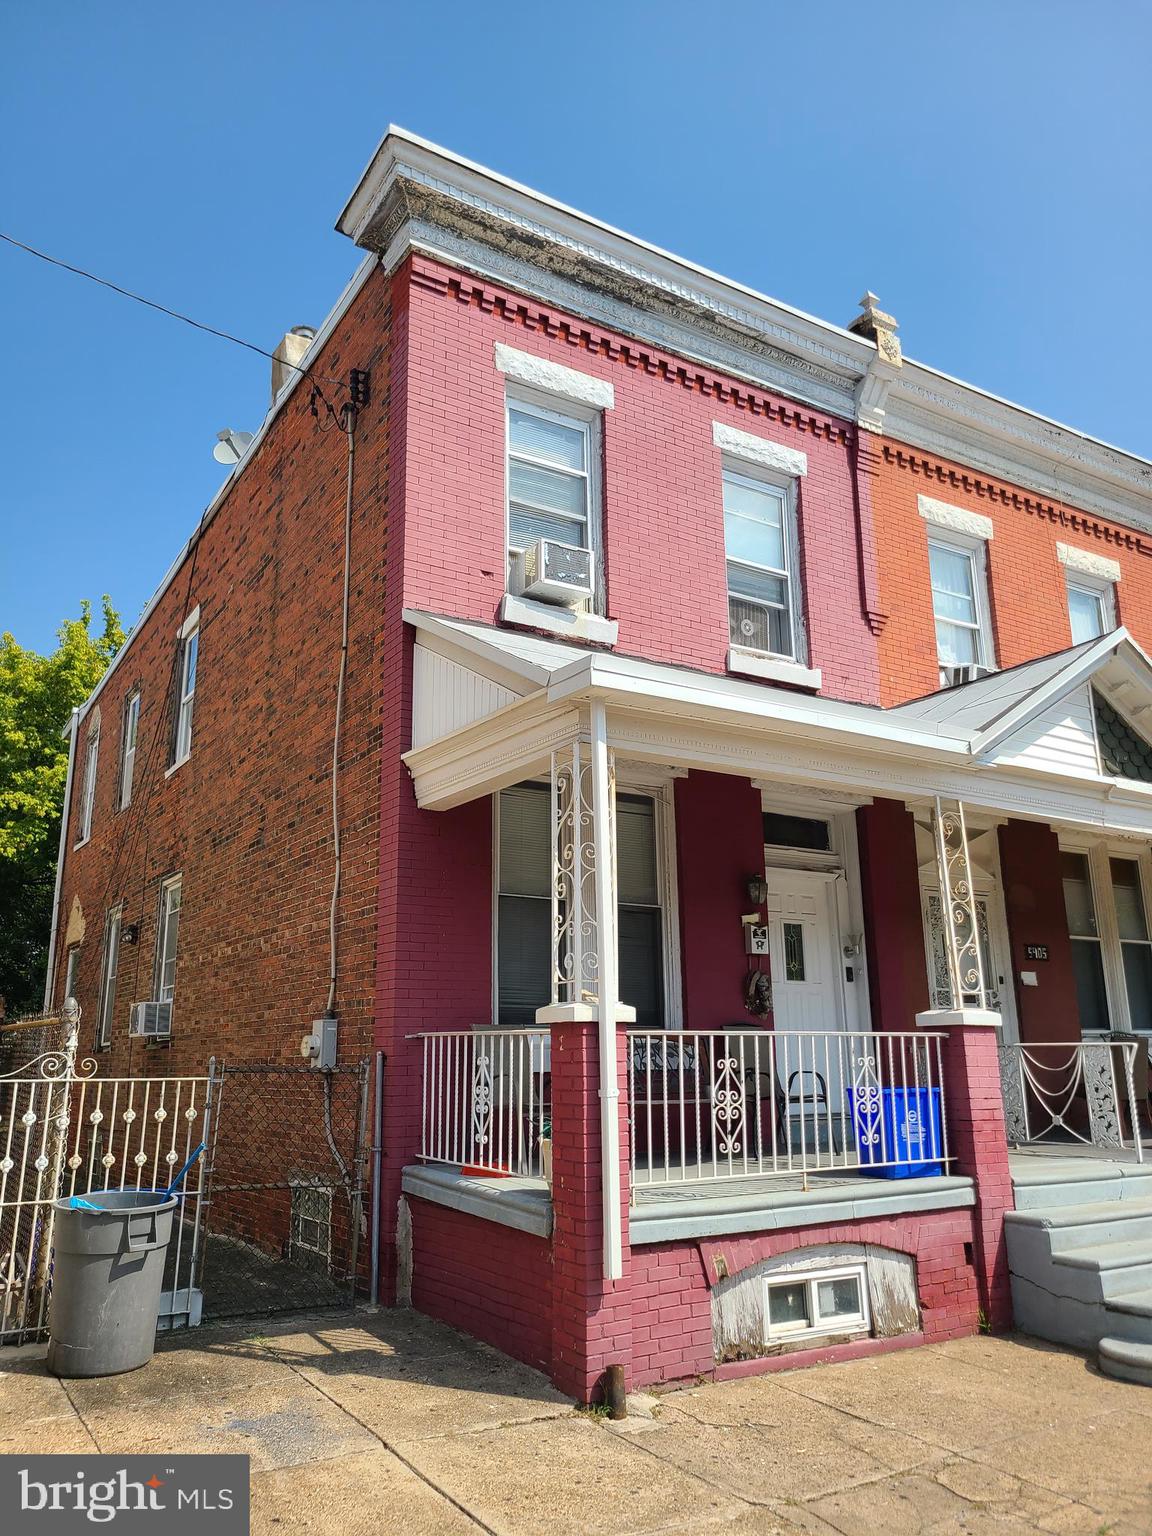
[899,1128]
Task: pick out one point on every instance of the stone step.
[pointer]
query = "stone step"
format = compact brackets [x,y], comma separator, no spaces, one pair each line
[1042,1183]
[1127,1360]
[1089,1225]
[1107,1269]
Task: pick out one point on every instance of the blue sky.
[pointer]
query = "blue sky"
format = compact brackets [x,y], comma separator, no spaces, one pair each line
[984,167]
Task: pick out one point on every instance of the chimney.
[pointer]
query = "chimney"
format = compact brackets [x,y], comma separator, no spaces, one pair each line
[287,357]
[874,324]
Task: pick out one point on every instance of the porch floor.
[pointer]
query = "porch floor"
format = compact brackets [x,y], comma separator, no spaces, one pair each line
[705,1208]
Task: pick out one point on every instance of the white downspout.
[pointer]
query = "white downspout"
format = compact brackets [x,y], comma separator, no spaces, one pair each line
[49,978]
[607,986]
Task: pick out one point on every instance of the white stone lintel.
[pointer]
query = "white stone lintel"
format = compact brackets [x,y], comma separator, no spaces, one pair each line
[1086,562]
[759,450]
[555,378]
[973,525]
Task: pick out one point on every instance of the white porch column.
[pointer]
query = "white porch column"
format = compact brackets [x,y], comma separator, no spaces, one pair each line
[585,959]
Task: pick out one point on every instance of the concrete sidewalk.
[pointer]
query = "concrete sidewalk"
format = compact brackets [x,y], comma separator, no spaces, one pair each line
[372,1422]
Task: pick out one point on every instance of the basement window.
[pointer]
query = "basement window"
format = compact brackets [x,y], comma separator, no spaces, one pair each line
[311,1222]
[816,1303]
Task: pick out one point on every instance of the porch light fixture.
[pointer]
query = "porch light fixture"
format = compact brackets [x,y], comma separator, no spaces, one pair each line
[757,890]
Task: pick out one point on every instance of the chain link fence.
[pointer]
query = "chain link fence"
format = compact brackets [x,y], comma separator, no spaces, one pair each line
[285,1224]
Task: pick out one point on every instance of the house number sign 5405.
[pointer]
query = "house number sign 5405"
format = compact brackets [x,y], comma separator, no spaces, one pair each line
[1036,951]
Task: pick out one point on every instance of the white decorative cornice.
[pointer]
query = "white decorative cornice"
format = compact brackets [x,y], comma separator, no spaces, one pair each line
[466,215]
[1087,563]
[973,525]
[554,378]
[759,450]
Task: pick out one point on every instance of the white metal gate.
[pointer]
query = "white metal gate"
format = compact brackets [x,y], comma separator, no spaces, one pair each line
[65,1131]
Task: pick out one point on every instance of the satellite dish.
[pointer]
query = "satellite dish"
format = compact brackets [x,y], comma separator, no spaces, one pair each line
[231,446]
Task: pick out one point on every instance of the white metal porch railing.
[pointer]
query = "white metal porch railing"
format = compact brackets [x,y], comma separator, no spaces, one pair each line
[1083,1090]
[735,1104]
[486,1099]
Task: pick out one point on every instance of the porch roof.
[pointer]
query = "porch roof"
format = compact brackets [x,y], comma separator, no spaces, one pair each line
[491,703]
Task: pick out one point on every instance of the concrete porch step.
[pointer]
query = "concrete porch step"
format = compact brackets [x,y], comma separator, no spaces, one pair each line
[1089,1225]
[1107,1269]
[1042,1183]
[1127,1360]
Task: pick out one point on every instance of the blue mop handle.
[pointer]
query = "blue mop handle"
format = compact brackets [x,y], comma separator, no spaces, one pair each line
[179,1179]
[78,1202]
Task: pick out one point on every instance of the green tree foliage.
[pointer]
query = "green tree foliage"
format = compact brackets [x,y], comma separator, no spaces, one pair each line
[37,696]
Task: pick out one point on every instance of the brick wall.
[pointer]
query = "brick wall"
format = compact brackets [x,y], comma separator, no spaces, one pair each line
[1026,581]
[672,1284]
[492,1281]
[663,515]
[246,819]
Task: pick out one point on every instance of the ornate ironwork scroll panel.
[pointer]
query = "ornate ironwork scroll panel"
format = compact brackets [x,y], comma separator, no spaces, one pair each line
[575,941]
[961,919]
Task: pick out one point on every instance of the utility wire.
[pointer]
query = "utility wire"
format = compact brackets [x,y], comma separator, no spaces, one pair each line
[54,261]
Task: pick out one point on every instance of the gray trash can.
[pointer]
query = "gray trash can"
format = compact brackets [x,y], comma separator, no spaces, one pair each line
[108,1267]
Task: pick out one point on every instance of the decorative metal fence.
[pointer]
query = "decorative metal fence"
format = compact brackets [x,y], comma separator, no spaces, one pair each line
[63,1131]
[738,1104]
[487,1100]
[1073,1091]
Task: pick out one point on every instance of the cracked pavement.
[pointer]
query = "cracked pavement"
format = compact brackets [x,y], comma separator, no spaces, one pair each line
[371,1421]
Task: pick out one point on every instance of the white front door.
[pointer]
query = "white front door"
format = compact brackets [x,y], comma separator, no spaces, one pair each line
[804,951]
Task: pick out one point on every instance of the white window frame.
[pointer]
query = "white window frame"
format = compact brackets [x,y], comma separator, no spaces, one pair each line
[72,960]
[1104,593]
[91,764]
[752,474]
[109,973]
[185,699]
[1100,852]
[129,731]
[660,791]
[174,883]
[816,1326]
[579,418]
[976,551]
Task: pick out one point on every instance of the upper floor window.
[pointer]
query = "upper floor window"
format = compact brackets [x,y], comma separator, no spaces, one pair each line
[760,544]
[959,604]
[108,979]
[88,792]
[128,746]
[553,494]
[1091,609]
[186,687]
[1090,578]
[167,940]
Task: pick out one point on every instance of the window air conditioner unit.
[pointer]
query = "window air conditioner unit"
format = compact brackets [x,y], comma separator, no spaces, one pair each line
[556,573]
[151,1021]
[968,672]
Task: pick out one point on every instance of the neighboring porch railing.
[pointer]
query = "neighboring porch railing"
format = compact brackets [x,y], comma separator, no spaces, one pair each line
[737,1104]
[486,1099]
[1084,1090]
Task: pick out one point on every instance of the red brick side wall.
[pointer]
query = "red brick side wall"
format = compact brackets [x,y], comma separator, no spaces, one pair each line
[1025,579]
[663,514]
[489,1280]
[246,819]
